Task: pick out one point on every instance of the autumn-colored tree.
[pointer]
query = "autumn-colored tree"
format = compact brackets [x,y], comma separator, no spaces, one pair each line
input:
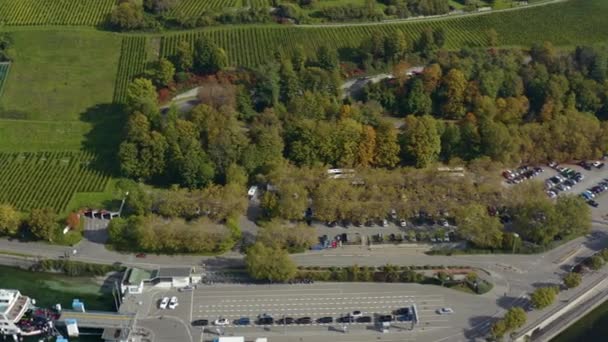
[453,89]
[367,146]
[73,220]
[421,141]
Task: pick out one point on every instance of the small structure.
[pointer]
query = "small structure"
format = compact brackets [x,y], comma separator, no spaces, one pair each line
[135,279]
[13,306]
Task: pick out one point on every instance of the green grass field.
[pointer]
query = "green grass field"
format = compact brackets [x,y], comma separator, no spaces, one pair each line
[59,75]
[569,23]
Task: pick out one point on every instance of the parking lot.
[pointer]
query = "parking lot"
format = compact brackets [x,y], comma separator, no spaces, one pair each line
[315,301]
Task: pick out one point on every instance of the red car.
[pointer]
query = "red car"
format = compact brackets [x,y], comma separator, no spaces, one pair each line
[140,255]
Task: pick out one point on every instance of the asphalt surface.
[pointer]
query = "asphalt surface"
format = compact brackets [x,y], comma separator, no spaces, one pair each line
[321,300]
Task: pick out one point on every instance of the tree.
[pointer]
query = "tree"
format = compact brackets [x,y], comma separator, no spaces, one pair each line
[498,329]
[208,57]
[572,280]
[141,96]
[543,297]
[421,141]
[367,146]
[515,318]
[452,94]
[492,37]
[386,153]
[73,220]
[327,57]
[596,262]
[127,16]
[158,6]
[284,235]
[184,56]
[269,263]
[162,72]
[42,223]
[395,46]
[573,216]
[534,220]
[9,220]
[477,226]
[443,277]
[417,101]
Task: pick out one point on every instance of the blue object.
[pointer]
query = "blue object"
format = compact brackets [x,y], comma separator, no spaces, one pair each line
[77,305]
[61,339]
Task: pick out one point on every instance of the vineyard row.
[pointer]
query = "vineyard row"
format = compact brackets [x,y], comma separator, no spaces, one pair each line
[132,63]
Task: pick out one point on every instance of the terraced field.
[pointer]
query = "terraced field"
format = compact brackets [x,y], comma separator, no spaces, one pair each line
[47,179]
[54,12]
[132,62]
[569,23]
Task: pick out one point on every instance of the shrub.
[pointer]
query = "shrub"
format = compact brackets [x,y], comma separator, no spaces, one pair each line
[544,296]
[572,280]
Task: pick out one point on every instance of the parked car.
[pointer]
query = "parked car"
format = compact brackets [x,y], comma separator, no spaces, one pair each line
[403,223]
[140,255]
[242,321]
[163,303]
[325,320]
[445,311]
[286,321]
[385,318]
[364,319]
[265,321]
[187,288]
[304,320]
[402,311]
[593,203]
[221,321]
[356,314]
[173,303]
[200,323]
[346,319]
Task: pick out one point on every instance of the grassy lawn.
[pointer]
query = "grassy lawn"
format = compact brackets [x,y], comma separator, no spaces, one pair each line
[58,75]
[31,136]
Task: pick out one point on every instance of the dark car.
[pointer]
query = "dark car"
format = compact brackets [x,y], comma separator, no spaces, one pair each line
[265,321]
[402,311]
[242,321]
[364,319]
[405,318]
[593,203]
[385,318]
[346,319]
[304,320]
[140,255]
[325,320]
[200,323]
[286,321]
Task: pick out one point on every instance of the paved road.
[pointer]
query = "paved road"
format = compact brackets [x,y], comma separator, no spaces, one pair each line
[328,299]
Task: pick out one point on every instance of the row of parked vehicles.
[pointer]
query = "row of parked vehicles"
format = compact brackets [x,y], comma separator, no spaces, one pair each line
[563,181]
[521,174]
[404,314]
[166,303]
[589,194]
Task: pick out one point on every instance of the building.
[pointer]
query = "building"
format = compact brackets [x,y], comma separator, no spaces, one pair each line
[13,306]
[135,279]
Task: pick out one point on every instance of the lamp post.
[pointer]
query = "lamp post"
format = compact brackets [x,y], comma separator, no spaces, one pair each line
[515,237]
[202,334]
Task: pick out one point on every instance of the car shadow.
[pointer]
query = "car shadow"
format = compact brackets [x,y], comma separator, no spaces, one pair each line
[480,326]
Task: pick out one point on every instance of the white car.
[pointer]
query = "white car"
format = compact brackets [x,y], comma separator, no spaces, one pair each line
[385,223]
[356,314]
[221,321]
[445,311]
[163,303]
[173,303]
[403,223]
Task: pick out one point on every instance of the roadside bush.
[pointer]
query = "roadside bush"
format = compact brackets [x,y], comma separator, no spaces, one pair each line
[596,262]
[572,280]
[544,296]
[75,268]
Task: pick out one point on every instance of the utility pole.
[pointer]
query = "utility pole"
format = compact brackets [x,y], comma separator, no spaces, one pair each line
[123,203]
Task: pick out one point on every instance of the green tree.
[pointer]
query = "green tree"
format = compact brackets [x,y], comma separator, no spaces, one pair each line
[9,220]
[477,226]
[395,46]
[596,262]
[534,220]
[543,297]
[158,6]
[208,57]
[573,216]
[268,263]
[443,277]
[42,223]
[386,153]
[293,201]
[453,89]
[572,280]
[184,56]
[127,16]
[327,57]
[283,235]
[417,101]
[515,318]
[290,84]
[141,96]
[162,72]
[498,329]
[421,141]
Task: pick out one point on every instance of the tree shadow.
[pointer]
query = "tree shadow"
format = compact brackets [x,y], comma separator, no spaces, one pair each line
[480,327]
[108,122]
[540,284]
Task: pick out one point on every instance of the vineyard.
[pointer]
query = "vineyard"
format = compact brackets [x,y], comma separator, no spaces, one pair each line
[132,62]
[569,23]
[4,68]
[54,12]
[197,7]
[47,179]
